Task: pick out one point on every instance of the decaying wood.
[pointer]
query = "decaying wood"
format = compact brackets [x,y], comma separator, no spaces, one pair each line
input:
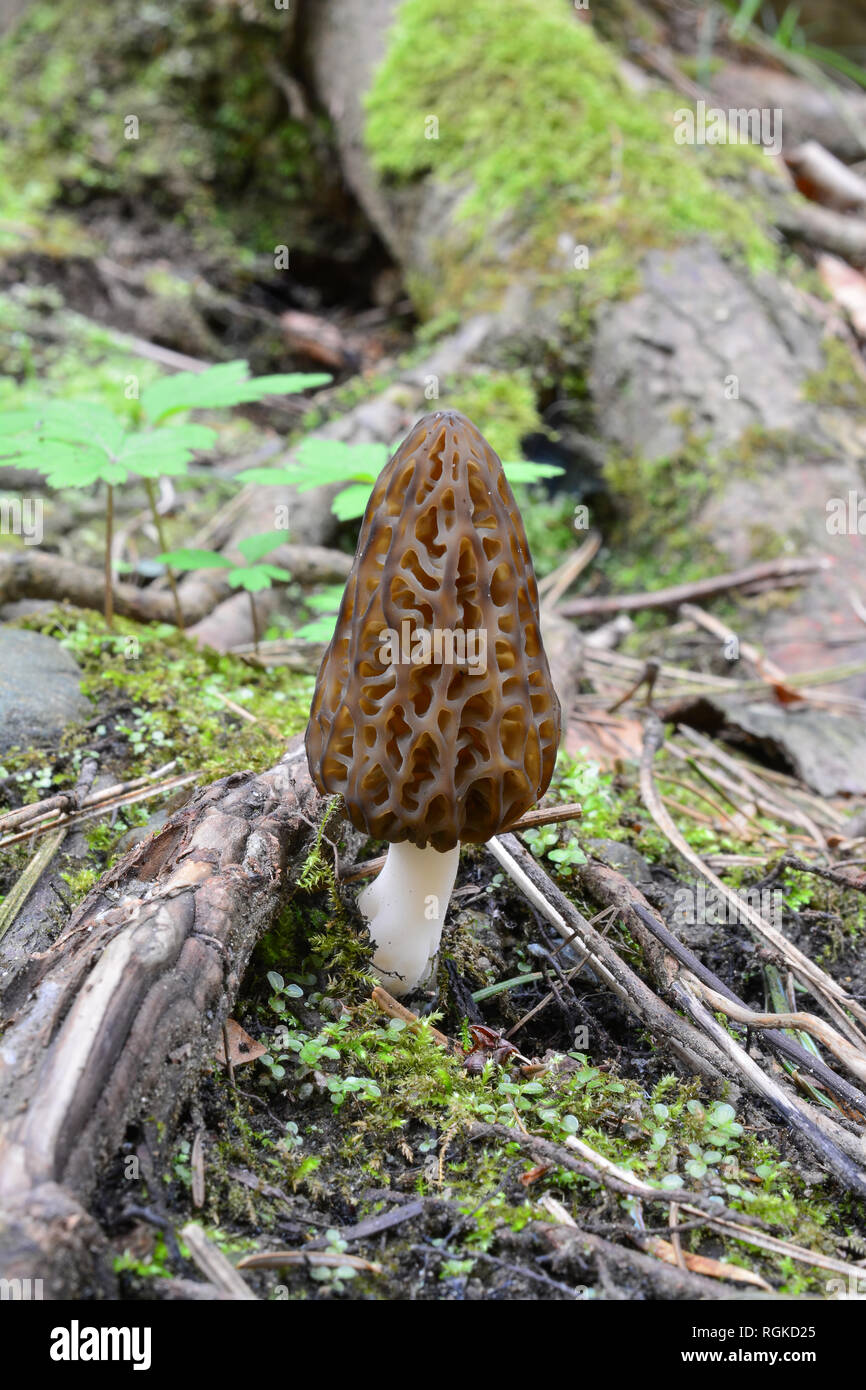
[214,1265]
[819,175]
[112,1024]
[839,232]
[31,573]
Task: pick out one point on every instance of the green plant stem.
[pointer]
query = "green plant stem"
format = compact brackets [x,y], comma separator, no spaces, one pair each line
[255,622]
[157,521]
[109,536]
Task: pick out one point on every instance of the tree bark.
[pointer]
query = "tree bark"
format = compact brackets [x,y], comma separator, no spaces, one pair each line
[111,1026]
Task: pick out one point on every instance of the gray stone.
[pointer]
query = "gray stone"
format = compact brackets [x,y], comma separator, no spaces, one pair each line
[40,692]
[618,855]
[826,751]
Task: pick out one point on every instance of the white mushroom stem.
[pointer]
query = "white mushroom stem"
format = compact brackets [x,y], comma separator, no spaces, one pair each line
[405,907]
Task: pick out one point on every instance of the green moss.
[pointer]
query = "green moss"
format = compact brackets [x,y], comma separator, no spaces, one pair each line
[539,136]
[658,540]
[838,383]
[502,404]
[211,124]
[159,699]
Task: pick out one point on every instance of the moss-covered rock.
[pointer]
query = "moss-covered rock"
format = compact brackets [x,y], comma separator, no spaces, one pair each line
[520,119]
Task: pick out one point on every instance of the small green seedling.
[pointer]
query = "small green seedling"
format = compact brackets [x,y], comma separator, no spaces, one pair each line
[78,445]
[253,576]
[323,462]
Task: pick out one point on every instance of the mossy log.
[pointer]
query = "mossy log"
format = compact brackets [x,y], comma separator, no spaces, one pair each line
[110,1028]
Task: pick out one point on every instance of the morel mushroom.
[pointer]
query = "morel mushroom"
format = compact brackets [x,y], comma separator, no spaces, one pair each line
[434,713]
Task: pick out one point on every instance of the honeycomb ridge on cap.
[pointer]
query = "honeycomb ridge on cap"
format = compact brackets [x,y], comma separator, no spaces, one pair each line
[438,751]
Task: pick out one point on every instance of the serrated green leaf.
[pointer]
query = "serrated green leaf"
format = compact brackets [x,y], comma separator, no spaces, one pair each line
[192,390]
[226,384]
[171,439]
[281,384]
[326,600]
[318,630]
[352,501]
[255,548]
[517,471]
[319,452]
[254,577]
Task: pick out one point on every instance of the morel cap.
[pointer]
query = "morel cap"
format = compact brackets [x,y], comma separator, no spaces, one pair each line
[434,713]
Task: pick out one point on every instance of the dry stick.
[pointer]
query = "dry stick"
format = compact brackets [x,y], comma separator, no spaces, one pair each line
[544,815]
[757,803]
[793,1113]
[73,799]
[730,1224]
[701,588]
[68,801]
[784,1047]
[604,1172]
[173,784]
[832,875]
[394,1009]
[821,984]
[637,996]
[246,714]
[767,799]
[849,1056]
[609,913]
[694,682]
[717,628]
[214,1265]
[554,585]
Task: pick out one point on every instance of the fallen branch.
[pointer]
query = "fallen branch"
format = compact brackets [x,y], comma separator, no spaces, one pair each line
[606,885]
[31,573]
[113,1023]
[832,995]
[686,1042]
[794,1113]
[785,568]
[214,1265]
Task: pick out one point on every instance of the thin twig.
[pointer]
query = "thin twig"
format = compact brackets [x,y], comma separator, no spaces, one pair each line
[827,989]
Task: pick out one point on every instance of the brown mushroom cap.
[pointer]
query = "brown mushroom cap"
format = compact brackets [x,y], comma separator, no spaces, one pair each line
[439,752]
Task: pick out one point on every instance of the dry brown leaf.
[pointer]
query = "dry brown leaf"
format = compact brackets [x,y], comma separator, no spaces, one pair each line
[702,1264]
[242,1048]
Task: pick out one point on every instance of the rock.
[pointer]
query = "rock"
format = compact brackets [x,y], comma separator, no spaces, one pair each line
[39,689]
[671,351]
[620,856]
[826,751]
